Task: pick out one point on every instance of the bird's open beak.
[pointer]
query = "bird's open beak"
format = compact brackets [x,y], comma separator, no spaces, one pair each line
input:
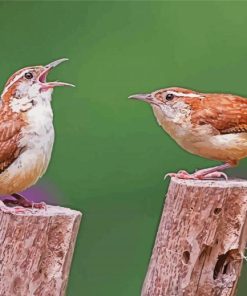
[42,78]
[143,97]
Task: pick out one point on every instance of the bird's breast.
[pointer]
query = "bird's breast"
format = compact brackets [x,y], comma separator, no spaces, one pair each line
[37,139]
[38,135]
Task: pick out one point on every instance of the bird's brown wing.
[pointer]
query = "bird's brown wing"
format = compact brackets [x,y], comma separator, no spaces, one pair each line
[227,114]
[10,133]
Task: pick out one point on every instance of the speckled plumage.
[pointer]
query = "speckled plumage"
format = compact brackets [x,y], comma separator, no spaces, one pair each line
[26,128]
[26,139]
[210,125]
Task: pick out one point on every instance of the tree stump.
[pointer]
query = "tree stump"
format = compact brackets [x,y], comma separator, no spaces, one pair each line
[36,248]
[200,244]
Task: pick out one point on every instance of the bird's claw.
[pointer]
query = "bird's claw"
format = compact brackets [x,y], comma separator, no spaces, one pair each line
[197,176]
[23,205]
[180,175]
[39,205]
[23,210]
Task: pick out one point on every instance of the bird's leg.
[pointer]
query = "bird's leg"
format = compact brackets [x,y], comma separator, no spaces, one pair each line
[214,172]
[210,173]
[22,201]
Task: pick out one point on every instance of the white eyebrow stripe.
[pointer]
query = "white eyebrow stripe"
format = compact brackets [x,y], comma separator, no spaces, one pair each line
[180,94]
[14,81]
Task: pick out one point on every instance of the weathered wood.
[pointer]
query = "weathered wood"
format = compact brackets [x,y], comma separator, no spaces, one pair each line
[36,248]
[201,240]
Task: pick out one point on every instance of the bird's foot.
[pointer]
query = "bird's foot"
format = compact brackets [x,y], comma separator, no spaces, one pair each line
[24,203]
[180,175]
[20,203]
[211,176]
[199,175]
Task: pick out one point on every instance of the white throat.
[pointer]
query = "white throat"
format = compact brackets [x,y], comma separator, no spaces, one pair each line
[32,98]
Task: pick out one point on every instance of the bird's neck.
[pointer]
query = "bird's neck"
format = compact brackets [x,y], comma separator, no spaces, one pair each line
[24,103]
[172,121]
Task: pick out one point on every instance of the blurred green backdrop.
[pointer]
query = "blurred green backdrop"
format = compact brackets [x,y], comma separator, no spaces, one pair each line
[110,156]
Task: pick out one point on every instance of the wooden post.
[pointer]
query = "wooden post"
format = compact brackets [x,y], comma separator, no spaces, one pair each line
[201,240]
[36,248]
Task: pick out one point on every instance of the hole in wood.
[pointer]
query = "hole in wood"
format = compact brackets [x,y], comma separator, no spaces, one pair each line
[225,268]
[217,211]
[222,264]
[186,257]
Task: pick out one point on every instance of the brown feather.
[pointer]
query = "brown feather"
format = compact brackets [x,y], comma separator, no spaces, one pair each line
[10,134]
[225,113]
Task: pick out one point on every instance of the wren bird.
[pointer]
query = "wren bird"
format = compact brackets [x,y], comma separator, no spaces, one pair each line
[211,125]
[26,130]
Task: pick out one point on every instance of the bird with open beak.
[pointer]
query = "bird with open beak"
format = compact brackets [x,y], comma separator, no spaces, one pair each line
[211,125]
[26,131]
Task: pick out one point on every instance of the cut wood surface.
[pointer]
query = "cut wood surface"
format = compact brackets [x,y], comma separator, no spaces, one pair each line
[36,248]
[201,240]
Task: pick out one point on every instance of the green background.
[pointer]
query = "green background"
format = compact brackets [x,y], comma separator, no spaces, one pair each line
[110,156]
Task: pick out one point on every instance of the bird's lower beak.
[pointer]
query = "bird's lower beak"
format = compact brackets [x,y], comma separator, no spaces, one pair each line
[42,78]
[143,97]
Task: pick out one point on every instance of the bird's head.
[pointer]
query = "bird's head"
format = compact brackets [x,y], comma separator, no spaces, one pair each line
[170,100]
[29,85]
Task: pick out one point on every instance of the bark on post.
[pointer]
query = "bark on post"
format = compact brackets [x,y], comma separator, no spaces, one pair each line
[36,248]
[201,240]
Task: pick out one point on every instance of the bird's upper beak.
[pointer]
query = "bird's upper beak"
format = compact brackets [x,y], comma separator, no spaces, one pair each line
[48,68]
[143,97]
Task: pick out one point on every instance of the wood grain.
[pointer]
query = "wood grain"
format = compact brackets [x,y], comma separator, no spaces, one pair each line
[201,240]
[36,248]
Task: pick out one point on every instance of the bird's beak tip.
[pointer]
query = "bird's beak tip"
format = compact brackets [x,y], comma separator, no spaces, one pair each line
[143,97]
[56,63]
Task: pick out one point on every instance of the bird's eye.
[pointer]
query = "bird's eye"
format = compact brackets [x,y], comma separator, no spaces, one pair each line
[169,97]
[28,75]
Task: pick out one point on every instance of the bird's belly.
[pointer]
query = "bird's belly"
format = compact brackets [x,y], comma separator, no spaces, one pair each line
[201,141]
[29,166]
[227,148]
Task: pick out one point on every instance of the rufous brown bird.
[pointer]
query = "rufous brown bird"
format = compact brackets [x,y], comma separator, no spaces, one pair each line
[26,130]
[211,125]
